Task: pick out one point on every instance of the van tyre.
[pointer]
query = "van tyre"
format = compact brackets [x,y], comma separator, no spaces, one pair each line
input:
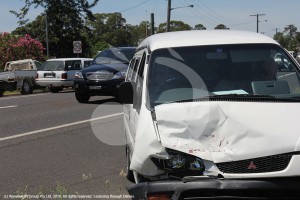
[129,173]
[26,88]
[82,97]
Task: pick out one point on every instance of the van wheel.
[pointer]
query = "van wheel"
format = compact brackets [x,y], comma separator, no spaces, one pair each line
[82,97]
[26,88]
[129,173]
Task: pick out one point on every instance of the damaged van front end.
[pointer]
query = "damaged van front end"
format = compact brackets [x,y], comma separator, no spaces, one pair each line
[212,116]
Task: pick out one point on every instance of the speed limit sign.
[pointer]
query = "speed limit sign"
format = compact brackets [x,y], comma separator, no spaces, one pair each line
[77,47]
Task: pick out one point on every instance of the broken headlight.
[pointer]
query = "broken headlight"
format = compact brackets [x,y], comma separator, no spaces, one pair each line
[180,164]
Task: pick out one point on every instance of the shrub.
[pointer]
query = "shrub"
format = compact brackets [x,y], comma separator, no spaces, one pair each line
[14,47]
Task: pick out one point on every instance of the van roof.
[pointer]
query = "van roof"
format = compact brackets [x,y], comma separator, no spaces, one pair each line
[203,37]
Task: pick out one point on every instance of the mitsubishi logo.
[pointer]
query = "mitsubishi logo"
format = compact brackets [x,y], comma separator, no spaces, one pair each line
[252,165]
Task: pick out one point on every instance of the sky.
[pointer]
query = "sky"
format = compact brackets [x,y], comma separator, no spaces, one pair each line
[234,14]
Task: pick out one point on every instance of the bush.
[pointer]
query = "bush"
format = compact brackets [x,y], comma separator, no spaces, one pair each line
[14,47]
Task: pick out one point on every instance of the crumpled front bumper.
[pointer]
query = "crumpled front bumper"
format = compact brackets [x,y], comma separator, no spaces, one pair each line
[210,188]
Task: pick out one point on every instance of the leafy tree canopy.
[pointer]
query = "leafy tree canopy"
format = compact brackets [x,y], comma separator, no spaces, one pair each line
[110,28]
[199,27]
[65,23]
[221,26]
[174,26]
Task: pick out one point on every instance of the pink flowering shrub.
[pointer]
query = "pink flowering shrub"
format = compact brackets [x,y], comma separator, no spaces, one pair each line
[14,47]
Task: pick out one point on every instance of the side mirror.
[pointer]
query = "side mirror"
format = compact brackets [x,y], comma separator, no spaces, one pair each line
[126,92]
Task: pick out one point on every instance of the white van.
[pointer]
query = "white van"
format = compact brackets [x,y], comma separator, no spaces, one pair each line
[210,110]
[59,73]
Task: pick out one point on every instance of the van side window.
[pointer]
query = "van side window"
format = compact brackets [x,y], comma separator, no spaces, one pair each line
[139,83]
[135,69]
[142,66]
[130,70]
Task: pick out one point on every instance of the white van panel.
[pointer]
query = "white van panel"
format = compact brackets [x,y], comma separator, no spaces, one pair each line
[229,131]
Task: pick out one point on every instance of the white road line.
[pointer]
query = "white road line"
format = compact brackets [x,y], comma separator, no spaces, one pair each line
[22,96]
[57,127]
[8,107]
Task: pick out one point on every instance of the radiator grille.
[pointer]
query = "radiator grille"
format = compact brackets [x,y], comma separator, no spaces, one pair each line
[99,76]
[257,165]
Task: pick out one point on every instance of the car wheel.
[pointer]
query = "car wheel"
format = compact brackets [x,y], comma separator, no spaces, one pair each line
[129,173]
[82,97]
[55,89]
[26,88]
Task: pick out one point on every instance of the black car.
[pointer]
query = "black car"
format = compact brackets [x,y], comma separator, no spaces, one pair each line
[104,75]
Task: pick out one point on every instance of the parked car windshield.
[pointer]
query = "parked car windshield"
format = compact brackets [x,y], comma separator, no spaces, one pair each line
[114,55]
[243,70]
[53,65]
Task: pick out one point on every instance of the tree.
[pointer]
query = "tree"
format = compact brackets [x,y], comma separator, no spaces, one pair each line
[221,26]
[109,28]
[139,32]
[66,21]
[35,29]
[174,26]
[281,39]
[290,32]
[14,47]
[199,27]
[289,38]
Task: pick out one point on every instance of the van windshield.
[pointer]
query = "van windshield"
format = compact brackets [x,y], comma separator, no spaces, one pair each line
[244,70]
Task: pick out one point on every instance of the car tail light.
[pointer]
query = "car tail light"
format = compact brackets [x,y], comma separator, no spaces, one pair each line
[64,76]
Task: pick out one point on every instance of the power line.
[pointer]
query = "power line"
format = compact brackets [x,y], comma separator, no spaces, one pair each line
[134,6]
[216,15]
[210,16]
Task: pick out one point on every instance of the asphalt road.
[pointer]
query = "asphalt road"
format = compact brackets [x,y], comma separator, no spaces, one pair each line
[52,145]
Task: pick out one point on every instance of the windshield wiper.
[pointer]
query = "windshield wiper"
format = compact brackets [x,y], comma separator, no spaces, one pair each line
[241,96]
[234,96]
[244,96]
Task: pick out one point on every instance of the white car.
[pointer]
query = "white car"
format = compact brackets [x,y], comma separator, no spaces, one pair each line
[57,74]
[207,111]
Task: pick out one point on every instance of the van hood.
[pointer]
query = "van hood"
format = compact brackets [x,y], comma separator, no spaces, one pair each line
[229,131]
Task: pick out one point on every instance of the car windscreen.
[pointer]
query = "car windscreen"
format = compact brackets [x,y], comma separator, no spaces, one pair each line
[114,55]
[207,71]
[53,65]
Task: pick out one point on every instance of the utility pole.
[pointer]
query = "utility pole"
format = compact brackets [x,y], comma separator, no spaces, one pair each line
[152,23]
[168,16]
[257,20]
